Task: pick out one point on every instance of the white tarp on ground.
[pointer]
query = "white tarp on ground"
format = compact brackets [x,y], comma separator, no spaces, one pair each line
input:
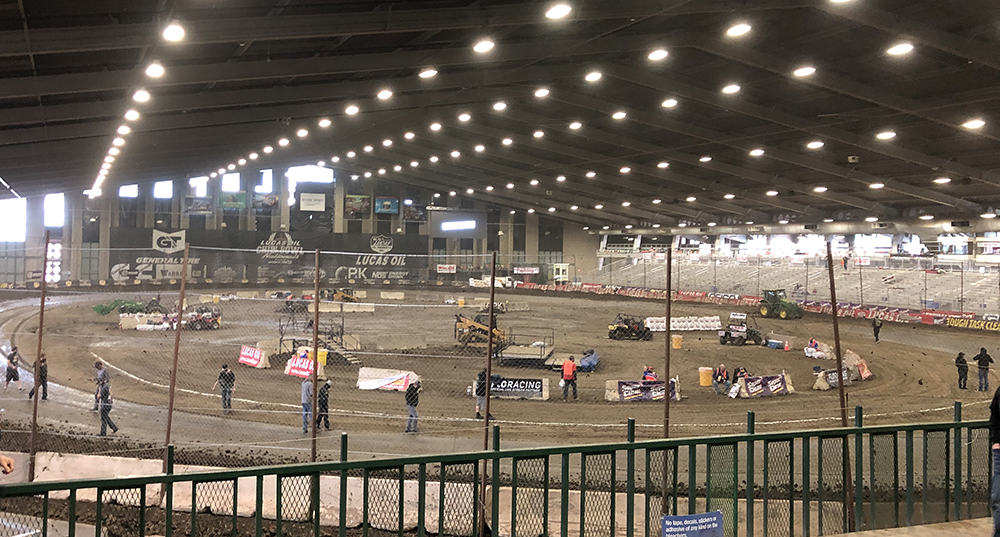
[373,378]
[684,324]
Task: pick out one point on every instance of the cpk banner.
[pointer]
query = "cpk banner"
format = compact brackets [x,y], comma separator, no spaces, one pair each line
[251,356]
[300,366]
[645,390]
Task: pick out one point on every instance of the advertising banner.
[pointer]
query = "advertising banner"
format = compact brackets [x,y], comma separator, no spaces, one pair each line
[766,386]
[645,390]
[509,388]
[447,269]
[300,366]
[696,525]
[198,206]
[372,378]
[262,201]
[526,270]
[415,212]
[357,206]
[232,200]
[251,356]
[385,205]
[313,202]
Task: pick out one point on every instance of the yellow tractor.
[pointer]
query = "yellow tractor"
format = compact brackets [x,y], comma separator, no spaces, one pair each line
[341,294]
[474,332]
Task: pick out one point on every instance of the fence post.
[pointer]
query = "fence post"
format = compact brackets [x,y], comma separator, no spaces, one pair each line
[342,518]
[177,346]
[495,483]
[958,460]
[564,497]
[858,466]
[169,470]
[751,476]
[37,366]
[629,481]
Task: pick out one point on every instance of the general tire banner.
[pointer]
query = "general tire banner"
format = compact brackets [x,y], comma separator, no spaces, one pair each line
[644,390]
[766,386]
[511,388]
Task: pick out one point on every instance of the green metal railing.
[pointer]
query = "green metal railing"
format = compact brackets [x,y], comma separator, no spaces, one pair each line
[816,482]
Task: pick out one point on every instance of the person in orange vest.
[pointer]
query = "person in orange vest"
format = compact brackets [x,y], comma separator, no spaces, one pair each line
[720,380]
[569,377]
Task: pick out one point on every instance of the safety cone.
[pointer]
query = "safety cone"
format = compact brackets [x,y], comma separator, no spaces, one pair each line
[786,346]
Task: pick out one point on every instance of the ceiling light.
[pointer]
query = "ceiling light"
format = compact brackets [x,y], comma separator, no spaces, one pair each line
[268,149]
[242,161]
[124,129]
[324,123]
[599,206]
[321,163]
[155,70]
[558,11]
[132,115]
[815,144]
[561,179]
[876,186]
[469,191]
[213,175]
[483,46]
[368,174]
[409,135]
[414,163]
[140,96]
[351,109]
[381,171]
[221,171]
[428,72]
[804,71]
[538,134]
[106,166]
[480,148]
[591,174]
[828,220]
[942,180]
[386,143]
[354,177]
[109,159]
[455,154]
[351,154]
[730,89]
[397,168]
[840,1]
[820,189]
[283,142]
[506,141]
[253,156]
[542,92]
[782,221]
[691,198]
[705,158]
[433,158]
[656,226]
[900,49]
[302,133]
[575,125]
[367,149]
[114,151]
[499,106]
[534,182]
[531,211]
[552,209]
[384,94]
[927,217]
[606,227]
[871,219]
[464,116]
[669,103]
[173,32]
[489,188]
[772,193]
[663,165]
[334,158]
[757,152]
[619,115]
[657,201]
[886,135]
[628,226]
[974,123]
[626,203]
[988,215]
[593,76]
[624,170]
[729,196]
[230,166]
[512,211]
[510,186]
[657,54]
[435,127]
[118,142]
[738,29]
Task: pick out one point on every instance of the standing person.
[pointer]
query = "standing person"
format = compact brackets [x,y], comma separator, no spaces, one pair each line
[963,371]
[43,378]
[720,380]
[843,263]
[323,405]
[101,378]
[876,327]
[569,377]
[104,394]
[995,448]
[307,398]
[984,360]
[226,382]
[481,394]
[12,372]
[412,398]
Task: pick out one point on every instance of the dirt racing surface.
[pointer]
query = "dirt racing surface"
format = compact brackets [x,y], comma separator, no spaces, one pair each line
[913,366]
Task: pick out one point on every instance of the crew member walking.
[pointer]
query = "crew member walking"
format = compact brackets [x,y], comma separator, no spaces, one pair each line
[963,371]
[307,398]
[12,372]
[984,360]
[226,382]
[43,379]
[481,394]
[569,377]
[104,397]
[323,405]
[876,327]
[100,379]
[720,380]
[412,397]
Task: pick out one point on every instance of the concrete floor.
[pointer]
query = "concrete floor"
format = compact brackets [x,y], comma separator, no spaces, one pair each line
[976,527]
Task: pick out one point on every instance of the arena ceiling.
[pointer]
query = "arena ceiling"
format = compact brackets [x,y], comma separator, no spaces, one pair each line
[654,112]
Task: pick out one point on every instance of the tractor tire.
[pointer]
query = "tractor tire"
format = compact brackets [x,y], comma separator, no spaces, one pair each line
[764,310]
[739,341]
[783,313]
[647,335]
[723,340]
[612,334]
[758,341]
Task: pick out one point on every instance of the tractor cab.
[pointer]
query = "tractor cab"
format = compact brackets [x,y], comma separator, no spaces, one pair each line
[775,303]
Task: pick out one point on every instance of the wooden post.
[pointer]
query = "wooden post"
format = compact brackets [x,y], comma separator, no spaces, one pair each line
[177,347]
[840,378]
[666,374]
[33,446]
[315,372]
[486,417]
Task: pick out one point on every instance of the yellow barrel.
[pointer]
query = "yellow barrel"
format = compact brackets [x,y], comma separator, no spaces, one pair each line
[704,376]
[461,301]
[676,341]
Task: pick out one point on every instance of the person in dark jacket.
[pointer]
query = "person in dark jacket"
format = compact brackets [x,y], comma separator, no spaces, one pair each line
[995,448]
[876,327]
[983,359]
[412,398]
[323,405]
[226,382]
[43,379]
[963,371]
[104,401]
